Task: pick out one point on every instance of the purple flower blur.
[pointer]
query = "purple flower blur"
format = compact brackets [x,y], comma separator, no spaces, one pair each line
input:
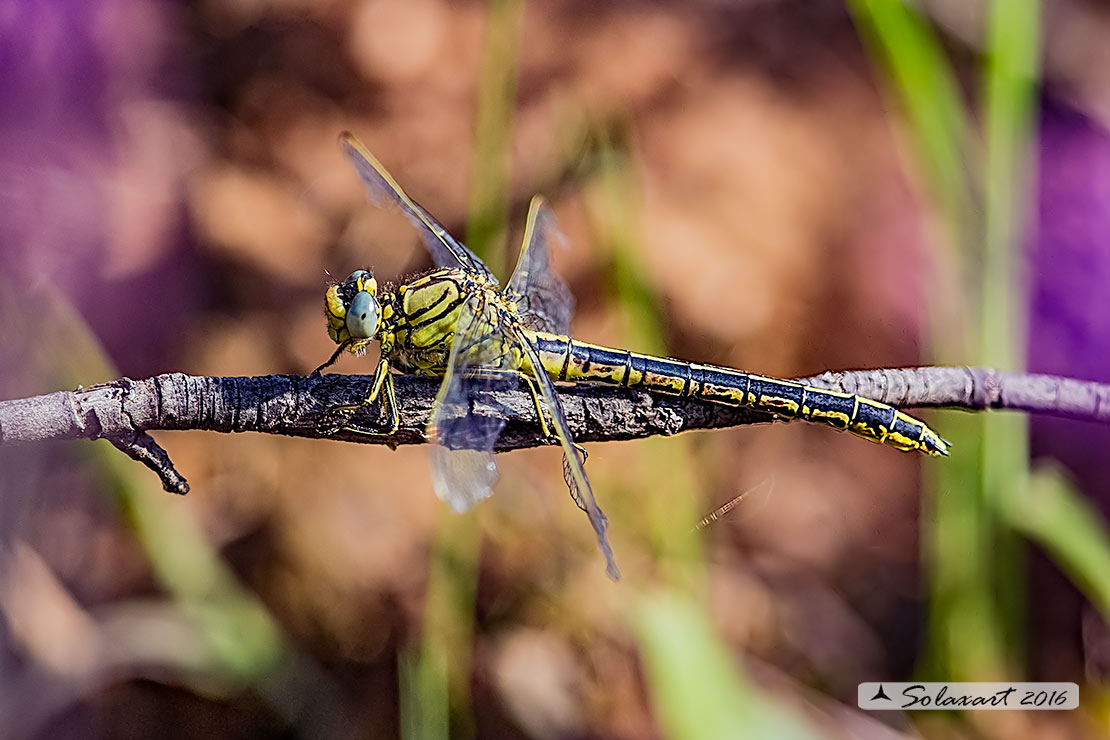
[1069,331]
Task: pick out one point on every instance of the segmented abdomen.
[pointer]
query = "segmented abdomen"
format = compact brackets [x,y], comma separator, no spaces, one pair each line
[570,360]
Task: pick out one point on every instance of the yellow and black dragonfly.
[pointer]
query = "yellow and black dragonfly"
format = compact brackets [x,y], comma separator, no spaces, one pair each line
[458,323]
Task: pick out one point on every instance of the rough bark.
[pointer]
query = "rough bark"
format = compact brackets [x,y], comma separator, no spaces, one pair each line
[124,410]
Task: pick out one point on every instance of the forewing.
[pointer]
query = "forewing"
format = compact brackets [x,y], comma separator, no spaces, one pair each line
[543,300]
[446,250]
[573,469]
[463,470]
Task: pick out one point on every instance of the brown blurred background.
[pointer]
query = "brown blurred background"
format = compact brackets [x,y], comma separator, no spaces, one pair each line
[734,190]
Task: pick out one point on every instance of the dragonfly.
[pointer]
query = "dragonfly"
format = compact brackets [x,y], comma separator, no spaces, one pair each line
[458,323]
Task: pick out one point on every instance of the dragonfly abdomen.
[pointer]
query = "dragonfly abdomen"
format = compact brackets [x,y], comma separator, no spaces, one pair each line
[569,360]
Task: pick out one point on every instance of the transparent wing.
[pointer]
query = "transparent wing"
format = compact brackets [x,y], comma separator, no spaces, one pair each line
[573,469]
[446,250]
[463,470]
[543,299]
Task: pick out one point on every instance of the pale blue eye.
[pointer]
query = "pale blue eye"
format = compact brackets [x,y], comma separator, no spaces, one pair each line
[362,316]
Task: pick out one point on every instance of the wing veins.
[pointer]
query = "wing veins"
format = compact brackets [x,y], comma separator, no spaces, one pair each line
[379,182]
[463,469]
[584,495]
[543,300]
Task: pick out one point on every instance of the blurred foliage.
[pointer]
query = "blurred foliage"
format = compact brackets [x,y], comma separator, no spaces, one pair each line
[695,686]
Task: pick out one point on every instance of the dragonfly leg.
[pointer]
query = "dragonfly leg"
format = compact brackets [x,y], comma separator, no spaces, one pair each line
[383,380]
[529,382]
[545,428]
[568,474]
[535,391]
[331,360]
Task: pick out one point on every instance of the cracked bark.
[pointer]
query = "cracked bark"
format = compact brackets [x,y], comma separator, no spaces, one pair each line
[124,410]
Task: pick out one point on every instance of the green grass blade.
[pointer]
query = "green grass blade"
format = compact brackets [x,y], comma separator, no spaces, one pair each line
[488,216]
[1073,532]
[423,673]
[1009,79]
[695,688]
[664,484]
[975,564]
[435,676]
[238,643]
[928,92]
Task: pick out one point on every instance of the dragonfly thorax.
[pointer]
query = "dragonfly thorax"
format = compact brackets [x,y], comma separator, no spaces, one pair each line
[422,318]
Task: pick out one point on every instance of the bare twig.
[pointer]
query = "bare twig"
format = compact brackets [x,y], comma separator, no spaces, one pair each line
[974,389]
[123,411]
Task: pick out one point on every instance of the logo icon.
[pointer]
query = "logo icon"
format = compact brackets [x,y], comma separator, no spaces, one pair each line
[880,694]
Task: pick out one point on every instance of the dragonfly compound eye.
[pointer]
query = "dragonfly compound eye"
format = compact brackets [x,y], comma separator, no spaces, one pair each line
[363,314]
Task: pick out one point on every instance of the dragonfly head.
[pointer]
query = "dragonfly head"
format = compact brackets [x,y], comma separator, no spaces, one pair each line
[353,311]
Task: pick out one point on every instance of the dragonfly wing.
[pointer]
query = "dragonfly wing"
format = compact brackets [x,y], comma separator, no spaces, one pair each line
[446,250]
[543,300]
[573,469]
[463,478]
[463,470]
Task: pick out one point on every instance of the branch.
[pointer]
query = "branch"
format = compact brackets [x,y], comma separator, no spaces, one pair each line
[124,410]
